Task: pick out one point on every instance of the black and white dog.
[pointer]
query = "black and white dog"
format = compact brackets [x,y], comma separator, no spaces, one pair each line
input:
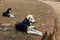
[26,25]
[8,13]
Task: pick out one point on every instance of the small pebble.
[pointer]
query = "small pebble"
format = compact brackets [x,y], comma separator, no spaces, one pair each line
[38,18]
[42,24]
[5,29]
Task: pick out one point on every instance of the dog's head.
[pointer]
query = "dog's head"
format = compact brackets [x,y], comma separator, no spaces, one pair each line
[30,18]
[10,15]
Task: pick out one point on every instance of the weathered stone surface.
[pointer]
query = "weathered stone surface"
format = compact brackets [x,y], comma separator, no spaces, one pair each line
[44,15]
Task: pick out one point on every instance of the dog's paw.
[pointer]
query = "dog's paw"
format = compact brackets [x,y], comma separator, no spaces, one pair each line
[41,34]
[12,16]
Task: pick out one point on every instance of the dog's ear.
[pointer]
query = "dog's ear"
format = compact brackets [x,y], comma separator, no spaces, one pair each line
[27,17]
[9,9]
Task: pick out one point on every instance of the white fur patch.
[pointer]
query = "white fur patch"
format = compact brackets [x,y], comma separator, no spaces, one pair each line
[12,16]
[33,31]
[30,18]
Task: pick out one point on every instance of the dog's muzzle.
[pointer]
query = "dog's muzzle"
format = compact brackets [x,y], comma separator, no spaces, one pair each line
[33,22]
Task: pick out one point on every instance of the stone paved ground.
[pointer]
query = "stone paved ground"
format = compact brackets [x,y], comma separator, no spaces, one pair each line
[56,7]
[43,14]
